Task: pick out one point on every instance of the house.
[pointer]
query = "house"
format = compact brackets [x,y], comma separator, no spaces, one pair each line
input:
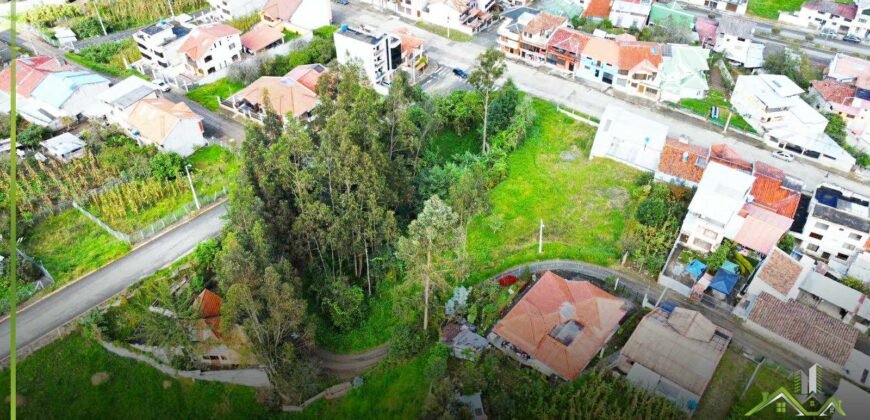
[826,16]
[260,38]
[599,61]
[713,212]
[684,72]
[835,299]
[664,14]
[172,127]
[210,47]
[845,92]
[559,326]
[734,38]
[465,343]
[772,105]
[857,366]
[294,94]
[64,147]
[234,9]
[532,37]
[514,22]
[597,10]
[158,45]
[302,16]
[466,16]
[707,30]
[565,48]
[630,13]
[734,6]
[639,67]
[724,154]
[117,101]
[682,163]
[30,72]
[848,69]
[68,94]
[378,54]
[779,275]
[859,266]
[414,57]
[805,330]
[674,354]
[629,138]
[837,227]
[219,347]
[775,191]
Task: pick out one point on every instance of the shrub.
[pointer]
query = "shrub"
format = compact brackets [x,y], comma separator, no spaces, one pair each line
[343,303]
[166,165]
[86,27]
[786,243]
[652,211]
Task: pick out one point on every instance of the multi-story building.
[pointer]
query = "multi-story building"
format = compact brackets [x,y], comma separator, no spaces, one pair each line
[639,68]
[684,72]
[467,16]
[510,32]
[527,37]
[158,44]
[210,47]
[846,92]
[772,105]
[378,54]
[630,13]
[734,38]
[837,227]
[302,16]
[565,48]
[233,9]
[832,17]
[734,6]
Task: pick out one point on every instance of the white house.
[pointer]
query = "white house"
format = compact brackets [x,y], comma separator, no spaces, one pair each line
[832,17]
[734,38]
[630,13]
[467,16]
[116,102]
[684,72]
[779,275]
[629,138]
[158,44]
[233,9]
[210,47]
[68,94]
[859,266]
[302,16]
[733,6]
[772,105]
[837,227]
[172,127]
[378,54]
[713,212]
[64,147]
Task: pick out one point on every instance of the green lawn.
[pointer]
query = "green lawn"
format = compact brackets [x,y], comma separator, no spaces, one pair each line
[768,379]
[442,31]
[582,203]
[206,95]
[56,383]
[770,8]
[448,144]
[69,245]
[389,392]
[716,98]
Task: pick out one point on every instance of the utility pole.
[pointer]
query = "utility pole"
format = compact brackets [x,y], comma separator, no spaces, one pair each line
[541,238]
[190,180]
[728,122]
[100,19]
[448,27]
[172,12]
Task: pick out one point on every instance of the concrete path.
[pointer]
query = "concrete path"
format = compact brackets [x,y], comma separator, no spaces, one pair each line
[346,366]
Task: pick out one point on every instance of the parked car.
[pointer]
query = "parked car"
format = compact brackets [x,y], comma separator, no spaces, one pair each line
[783,155]
[162,86]
[342,2]
[459,72]
[852,38]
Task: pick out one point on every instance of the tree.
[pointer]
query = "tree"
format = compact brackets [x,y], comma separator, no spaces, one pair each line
[857,285]
[169,326]
[503,107]
[490,67]
[670,31]
[797,66]
[432,249]
[786,243]
[166,165]
[836,127]
[652,211]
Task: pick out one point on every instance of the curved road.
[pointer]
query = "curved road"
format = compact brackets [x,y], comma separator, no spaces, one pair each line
[64,305]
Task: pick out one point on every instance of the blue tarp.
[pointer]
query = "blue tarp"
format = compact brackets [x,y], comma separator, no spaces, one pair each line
[730,266]
[724,281]
[668,306]
[696,268]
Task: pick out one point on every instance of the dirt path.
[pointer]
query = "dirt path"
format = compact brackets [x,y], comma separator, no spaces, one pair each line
[346,366]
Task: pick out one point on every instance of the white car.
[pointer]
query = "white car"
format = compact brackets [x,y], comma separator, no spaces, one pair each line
[161,86]
[783,155]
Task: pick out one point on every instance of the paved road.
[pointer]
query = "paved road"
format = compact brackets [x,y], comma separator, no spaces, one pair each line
[582,96]
[77,298]
[346,366]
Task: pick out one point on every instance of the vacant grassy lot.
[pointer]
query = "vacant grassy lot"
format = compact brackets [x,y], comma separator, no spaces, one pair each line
[69,245]
[206,95]
[715,98]
[722,399]
[213,168]
[58,382]
[442,31]
[583,203]
[770,8]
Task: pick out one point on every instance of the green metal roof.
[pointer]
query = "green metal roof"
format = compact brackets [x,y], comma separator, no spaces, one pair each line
[660,13]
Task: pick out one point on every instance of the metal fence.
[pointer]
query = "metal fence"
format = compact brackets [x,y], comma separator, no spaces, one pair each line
[174,217]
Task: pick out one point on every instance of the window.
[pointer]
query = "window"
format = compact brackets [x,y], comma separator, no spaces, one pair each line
[849,247]
[813,247]
[864,376]
[842,256]
[816,236]
[854,236]
[821,226]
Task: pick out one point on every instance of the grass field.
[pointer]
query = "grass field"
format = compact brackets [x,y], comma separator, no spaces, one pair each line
[57,382]
[722,399]
[583,203]
[770,8]
[370,333]
[69,245]
[206,95]
[442,31]
[715,98]
[448,144]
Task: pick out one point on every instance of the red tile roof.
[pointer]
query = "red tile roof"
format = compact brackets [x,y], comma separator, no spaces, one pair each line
[30,71]
[281,9]
[553,302]
[598,9]
[762,228]
[833,91]
[208,305]
[569,40]
[848,11]
[632,54]
[726,155]
[780,271]
[260,37]
[307,75]
[680,160]
[544,22]
[769,192]
[811,329]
